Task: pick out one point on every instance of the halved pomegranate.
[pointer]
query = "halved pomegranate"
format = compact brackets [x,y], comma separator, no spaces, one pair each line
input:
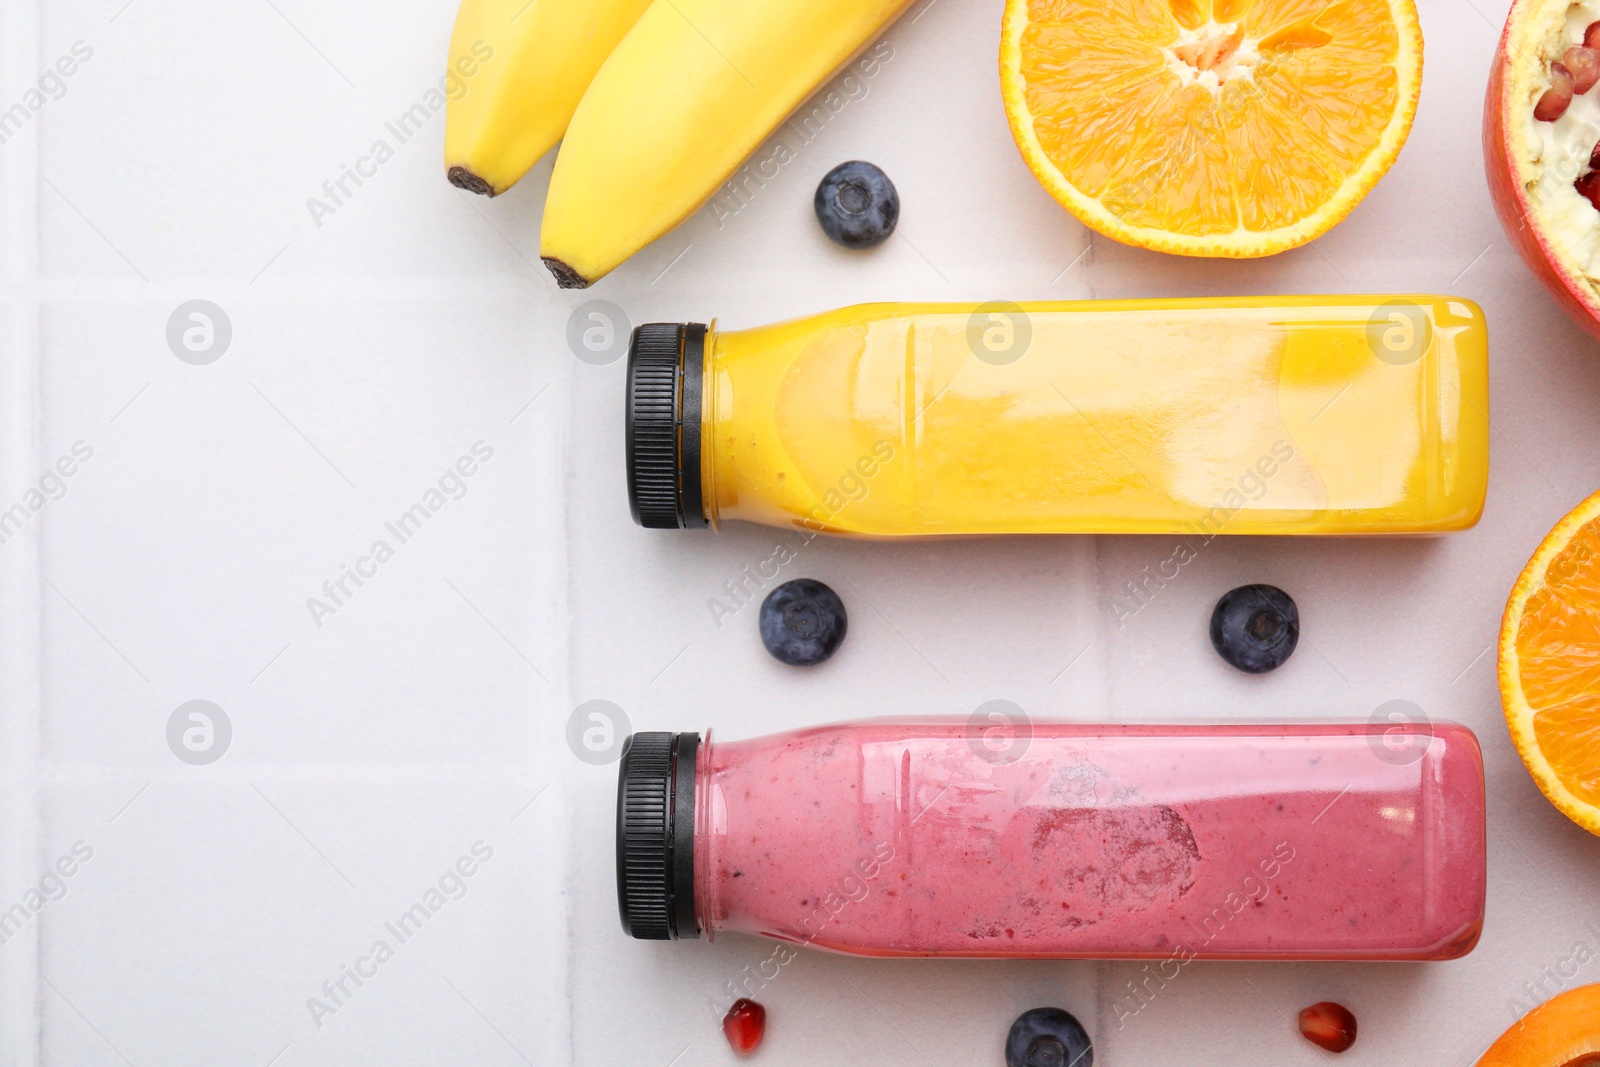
[1541,136]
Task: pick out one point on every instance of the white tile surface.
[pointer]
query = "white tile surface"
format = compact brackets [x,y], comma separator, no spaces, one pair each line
[429,711]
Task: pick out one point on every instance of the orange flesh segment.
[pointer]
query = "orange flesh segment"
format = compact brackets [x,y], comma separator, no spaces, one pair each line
[1265,149]
[1558,655]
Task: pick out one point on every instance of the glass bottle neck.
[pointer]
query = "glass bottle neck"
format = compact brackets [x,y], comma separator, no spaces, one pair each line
[705,822]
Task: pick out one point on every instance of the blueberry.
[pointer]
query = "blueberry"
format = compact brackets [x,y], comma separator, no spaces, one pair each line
[802,622]
[857,205]
[1048,1037]
[1255,627]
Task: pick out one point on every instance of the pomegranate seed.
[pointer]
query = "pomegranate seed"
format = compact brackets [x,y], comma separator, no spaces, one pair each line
[1588,187]
[1556,99]
[1594,157]
[1328,1025]
[745,1025]
[1591,36]
[1584,63]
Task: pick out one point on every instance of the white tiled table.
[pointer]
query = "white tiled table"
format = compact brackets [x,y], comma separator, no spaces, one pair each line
[374,745]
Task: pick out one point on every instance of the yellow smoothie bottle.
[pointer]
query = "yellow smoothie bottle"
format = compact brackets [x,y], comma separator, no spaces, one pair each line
[1266,415]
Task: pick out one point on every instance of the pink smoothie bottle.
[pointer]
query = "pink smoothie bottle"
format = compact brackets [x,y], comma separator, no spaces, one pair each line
[932,837]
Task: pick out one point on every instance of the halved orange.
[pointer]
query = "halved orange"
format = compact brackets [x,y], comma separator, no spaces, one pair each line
[1564,1031]
[1550,665]
[1210,127]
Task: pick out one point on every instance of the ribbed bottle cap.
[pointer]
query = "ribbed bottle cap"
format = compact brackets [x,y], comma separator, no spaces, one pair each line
[666,365]
[655,835]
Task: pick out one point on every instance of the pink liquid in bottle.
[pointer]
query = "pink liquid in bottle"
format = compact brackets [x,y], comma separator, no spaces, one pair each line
[924,838]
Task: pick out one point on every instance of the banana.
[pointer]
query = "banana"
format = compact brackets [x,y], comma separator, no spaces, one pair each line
[688,95]
[523,65]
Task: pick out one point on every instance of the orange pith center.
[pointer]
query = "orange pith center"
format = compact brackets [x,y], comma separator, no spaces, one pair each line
[1216,49]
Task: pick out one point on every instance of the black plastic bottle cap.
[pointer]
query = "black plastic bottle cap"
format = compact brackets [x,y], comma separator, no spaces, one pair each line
[655,835]
[666,368]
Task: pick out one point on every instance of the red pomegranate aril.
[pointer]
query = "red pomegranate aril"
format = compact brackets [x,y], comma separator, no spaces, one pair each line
[745,1025]
[1591,36]
[1594,157]
[1328,1025]
[1588,187]
[1556,99]
[1584,63]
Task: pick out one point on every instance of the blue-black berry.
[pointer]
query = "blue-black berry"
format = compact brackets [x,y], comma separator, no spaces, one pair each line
[802,622]
[857,205]
[1255,627]
[1048,1037]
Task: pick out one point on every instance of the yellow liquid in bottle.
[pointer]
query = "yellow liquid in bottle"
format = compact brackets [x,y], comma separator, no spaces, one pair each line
[1308,415]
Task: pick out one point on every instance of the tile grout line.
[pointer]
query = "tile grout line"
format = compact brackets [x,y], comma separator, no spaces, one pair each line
[564,388]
